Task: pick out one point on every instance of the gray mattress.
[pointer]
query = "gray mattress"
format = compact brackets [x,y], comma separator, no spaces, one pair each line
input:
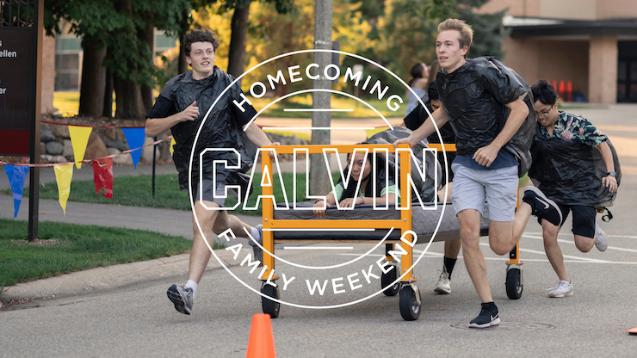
[424,223]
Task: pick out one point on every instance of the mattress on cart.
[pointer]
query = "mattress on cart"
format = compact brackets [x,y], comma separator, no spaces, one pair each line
[424,223]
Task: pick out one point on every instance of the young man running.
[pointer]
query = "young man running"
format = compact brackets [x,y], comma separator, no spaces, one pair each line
[177,109]
[476,95]
[563,163]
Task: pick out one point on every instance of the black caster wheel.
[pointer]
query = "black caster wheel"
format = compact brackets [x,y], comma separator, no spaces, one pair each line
[390,288]
[409,302]
[513,282]
[267,305]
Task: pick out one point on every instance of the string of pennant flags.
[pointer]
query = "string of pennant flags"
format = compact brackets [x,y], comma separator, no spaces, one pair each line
[102,167]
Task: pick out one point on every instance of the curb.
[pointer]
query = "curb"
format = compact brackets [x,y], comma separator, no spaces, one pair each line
[110,277]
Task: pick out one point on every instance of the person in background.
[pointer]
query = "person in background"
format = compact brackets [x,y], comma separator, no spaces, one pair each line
[418,83]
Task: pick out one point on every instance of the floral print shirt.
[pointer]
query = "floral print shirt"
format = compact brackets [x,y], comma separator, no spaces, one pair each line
[573,128]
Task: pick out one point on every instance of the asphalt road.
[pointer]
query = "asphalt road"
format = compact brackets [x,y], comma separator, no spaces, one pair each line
[139,321]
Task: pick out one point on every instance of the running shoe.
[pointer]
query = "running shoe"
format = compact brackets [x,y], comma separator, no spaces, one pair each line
[489,316]
[181,297]
[541,206]
[601,239]
[563,289]
[443,286]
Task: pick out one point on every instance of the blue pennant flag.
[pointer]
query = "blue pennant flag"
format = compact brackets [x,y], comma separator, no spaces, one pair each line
[17,176]
[135,138]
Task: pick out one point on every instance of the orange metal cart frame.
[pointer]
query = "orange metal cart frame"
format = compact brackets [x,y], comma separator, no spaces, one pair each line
[410,305]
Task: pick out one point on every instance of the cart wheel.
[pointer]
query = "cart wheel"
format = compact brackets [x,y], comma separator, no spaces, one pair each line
[267,305]
[513,282]
[386,280]
[409,302]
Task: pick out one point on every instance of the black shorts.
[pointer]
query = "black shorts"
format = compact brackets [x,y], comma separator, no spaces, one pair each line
[583,219]
[208,189]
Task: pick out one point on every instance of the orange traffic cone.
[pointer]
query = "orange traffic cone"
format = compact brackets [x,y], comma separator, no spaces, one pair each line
[632,331]
[261,341]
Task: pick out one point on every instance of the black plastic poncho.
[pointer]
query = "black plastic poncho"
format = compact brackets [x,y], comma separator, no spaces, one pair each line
[475,98]
[222,128]
[427,188]
[571,173]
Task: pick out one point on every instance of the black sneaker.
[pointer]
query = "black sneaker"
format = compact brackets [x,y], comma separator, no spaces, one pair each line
[489,316]
[181,297]
[541,206]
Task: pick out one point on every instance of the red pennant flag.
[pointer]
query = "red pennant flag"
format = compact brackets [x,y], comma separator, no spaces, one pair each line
[103,176]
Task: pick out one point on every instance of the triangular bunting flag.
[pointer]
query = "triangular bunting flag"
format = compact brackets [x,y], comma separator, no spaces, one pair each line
[172,143]
[79,140]
[135,138]
[17,176]
[103,176]
[63,176]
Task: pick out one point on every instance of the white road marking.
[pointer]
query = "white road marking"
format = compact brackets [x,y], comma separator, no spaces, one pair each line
[570,242]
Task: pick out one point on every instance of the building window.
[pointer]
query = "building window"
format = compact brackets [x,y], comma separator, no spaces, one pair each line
[67,72]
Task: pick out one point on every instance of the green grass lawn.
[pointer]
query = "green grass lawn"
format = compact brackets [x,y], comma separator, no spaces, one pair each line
[64,248]
[136,191]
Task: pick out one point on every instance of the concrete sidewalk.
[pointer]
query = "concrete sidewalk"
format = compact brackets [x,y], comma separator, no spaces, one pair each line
[165,221]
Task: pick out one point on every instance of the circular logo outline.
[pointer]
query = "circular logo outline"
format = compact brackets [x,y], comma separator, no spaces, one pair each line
[192,203]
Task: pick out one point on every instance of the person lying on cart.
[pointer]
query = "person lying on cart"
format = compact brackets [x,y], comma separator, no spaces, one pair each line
[359,189]
[567,165]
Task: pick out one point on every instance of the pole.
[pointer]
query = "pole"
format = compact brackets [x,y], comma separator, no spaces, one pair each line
[34,152]
[154,164]
[319,180]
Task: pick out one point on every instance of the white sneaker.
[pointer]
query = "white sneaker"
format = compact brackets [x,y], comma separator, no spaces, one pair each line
[563,289]
[443,287]
[601,240]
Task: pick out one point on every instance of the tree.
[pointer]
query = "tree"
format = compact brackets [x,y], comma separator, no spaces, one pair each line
[488,31]
[239,29]
[125,28]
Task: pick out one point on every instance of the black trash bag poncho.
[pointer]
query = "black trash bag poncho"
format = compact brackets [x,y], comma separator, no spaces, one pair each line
[220,130]
[571,173]
[428,188]
[478,91]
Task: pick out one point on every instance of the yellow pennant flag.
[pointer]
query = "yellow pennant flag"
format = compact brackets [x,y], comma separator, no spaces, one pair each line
[63,176]
[172,143]
[79,140]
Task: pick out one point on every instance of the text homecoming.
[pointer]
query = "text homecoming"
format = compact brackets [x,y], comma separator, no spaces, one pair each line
[313,71]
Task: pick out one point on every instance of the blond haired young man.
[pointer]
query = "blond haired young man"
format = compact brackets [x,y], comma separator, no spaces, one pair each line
[476,96]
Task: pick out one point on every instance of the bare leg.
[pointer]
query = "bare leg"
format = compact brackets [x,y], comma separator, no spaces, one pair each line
[583,243]
[228,221]
[552,248]
[474,260]
[452,247]
[200,253]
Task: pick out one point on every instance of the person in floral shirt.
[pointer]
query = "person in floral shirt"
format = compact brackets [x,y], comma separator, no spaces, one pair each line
[564,167]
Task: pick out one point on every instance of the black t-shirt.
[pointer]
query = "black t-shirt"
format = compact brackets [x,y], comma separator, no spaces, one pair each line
[474,97]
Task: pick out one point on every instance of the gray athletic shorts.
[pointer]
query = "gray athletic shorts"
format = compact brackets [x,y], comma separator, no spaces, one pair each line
[497,187]
[224,185]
